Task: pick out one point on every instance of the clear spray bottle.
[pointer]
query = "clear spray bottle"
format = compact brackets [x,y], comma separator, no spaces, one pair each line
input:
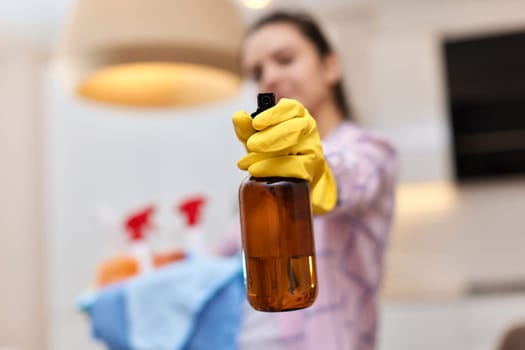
[277,239]
[136,226]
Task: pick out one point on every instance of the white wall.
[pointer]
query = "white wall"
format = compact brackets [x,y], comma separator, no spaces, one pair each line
[461,324]
[22,274]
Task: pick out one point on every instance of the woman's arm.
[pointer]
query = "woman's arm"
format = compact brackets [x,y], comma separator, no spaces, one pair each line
[364,169]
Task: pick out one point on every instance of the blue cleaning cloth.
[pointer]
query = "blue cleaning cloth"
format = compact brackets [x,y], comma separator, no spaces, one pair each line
[108,318]
[191,305]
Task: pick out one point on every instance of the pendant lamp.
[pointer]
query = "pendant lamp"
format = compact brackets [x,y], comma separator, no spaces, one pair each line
[152,53]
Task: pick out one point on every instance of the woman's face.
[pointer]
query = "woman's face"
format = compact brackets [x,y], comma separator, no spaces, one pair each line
[280,59]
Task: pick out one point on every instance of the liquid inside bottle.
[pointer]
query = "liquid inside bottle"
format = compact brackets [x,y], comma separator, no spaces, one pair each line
[278,243]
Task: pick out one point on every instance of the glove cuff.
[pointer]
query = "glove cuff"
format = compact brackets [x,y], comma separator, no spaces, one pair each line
[324,193]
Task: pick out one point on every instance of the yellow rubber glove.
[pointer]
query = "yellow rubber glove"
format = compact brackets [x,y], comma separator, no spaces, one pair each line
[287,144]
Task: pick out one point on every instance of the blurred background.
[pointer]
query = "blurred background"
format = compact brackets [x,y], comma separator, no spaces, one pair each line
[443,79]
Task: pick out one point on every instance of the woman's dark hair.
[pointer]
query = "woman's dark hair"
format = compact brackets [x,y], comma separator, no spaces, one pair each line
[311,31]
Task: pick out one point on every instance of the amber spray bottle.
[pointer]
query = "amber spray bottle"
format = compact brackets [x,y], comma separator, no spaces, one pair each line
[277,239]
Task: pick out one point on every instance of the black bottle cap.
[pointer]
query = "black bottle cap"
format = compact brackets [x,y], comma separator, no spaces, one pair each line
[265,100]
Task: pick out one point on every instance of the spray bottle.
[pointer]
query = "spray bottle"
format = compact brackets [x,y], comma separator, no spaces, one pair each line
[136,225]
[191,208]
[123,266]
[277,239]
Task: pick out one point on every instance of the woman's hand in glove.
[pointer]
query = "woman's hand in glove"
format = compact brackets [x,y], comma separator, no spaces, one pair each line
[283,141]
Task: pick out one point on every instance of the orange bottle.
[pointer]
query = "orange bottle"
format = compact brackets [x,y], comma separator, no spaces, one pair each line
[277,238]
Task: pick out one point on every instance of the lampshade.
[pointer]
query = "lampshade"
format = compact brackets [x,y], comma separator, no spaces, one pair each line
[152,52]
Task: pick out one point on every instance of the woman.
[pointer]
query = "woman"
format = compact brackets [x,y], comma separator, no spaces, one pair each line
[287,54]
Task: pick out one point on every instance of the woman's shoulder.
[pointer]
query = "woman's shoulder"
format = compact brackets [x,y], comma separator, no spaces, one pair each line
[349,134]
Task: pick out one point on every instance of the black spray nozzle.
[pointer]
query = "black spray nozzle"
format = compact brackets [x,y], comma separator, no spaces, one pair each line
[265,100]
